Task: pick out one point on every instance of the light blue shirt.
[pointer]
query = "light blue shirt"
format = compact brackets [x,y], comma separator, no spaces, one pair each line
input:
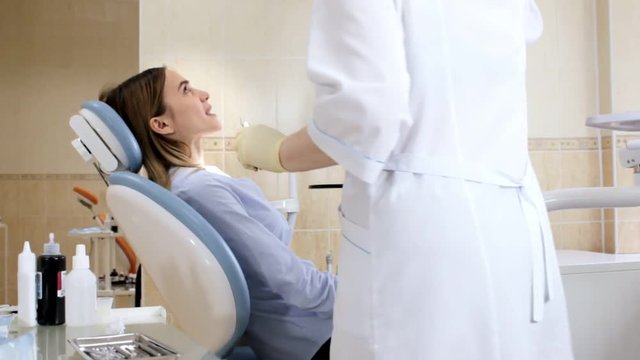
[291,300]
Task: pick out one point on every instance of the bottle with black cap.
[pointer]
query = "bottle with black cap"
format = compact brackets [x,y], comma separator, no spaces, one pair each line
[52,268]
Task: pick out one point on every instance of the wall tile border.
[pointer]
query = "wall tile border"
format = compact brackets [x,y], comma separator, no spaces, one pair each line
[586,143]
[562,144]
[58,177]
[219,144]
[222,144]
[535,144]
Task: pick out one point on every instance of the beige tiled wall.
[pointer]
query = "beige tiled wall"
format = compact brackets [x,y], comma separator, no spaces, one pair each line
[567,163]
[563,70]
[625,54]
[54,55]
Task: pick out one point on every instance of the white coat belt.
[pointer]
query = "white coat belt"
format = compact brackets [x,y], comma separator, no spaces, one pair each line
[531,201]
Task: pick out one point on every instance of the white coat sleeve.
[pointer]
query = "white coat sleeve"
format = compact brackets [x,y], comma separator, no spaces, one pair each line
[260,254]
[356,60]
[533,22]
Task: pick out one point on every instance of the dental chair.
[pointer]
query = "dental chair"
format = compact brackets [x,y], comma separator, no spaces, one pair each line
[191,265]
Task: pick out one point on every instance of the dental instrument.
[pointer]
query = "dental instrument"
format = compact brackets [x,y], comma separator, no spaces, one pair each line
[329,261]
[245,124]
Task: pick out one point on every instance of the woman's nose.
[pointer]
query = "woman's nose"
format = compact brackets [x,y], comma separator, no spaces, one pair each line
[204,96]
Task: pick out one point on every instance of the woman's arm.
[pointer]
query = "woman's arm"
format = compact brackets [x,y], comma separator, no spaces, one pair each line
[299,153]
[264,148]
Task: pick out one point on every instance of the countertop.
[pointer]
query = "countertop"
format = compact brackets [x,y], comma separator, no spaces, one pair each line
[578,261]
[51,342]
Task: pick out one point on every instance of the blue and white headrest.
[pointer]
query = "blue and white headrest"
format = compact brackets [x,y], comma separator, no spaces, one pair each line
[104,139]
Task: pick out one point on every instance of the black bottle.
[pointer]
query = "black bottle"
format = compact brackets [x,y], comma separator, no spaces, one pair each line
[52,266]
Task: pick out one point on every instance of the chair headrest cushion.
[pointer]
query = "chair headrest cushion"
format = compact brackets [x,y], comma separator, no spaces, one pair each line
[120,131]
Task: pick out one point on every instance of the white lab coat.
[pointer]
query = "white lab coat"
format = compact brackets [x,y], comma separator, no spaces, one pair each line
[446,251]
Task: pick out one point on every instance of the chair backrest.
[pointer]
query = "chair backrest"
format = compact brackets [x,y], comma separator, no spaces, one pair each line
[191,265]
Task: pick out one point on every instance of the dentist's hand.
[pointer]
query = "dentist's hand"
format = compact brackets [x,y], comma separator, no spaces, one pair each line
[258,147]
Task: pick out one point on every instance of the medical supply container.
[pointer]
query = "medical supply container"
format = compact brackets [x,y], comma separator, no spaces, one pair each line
[52,266]
[27,286]
[80,290]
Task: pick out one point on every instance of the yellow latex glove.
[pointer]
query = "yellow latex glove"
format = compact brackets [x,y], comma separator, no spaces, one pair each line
[258,147]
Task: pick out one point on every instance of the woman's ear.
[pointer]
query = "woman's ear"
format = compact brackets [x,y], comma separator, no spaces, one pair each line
[161,126]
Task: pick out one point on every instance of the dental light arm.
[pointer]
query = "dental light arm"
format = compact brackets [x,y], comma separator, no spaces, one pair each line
[605,197]
[624,121]
[592,198]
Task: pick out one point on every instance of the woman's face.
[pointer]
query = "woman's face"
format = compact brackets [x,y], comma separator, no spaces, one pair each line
[188,112]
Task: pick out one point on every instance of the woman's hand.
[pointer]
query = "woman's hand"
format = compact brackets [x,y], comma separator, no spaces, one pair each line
[258,147]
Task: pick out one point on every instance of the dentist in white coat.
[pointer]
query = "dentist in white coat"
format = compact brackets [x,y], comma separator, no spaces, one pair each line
[446,251]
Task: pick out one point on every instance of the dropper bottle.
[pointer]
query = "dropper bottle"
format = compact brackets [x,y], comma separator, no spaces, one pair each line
[81,292]
[52,269]
[27,286]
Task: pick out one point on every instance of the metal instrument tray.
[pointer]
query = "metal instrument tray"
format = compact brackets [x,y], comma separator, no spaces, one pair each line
[122,346]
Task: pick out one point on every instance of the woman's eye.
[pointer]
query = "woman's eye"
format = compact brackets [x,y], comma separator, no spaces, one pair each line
[186,89]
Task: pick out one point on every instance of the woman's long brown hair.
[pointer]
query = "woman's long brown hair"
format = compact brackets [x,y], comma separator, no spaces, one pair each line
[137,100]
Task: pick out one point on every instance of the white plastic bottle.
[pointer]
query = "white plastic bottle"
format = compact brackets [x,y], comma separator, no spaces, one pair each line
[80,291]
[27,286]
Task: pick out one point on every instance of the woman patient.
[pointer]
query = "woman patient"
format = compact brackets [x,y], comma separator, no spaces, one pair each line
[291,301]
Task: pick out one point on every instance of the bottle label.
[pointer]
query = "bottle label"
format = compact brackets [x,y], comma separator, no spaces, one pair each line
[39,285]
[61,275]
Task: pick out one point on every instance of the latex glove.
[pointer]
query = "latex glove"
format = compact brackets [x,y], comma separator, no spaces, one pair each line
[258,147]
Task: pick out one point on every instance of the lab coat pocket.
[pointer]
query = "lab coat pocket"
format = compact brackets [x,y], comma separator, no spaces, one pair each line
[354,234]
[354,297]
